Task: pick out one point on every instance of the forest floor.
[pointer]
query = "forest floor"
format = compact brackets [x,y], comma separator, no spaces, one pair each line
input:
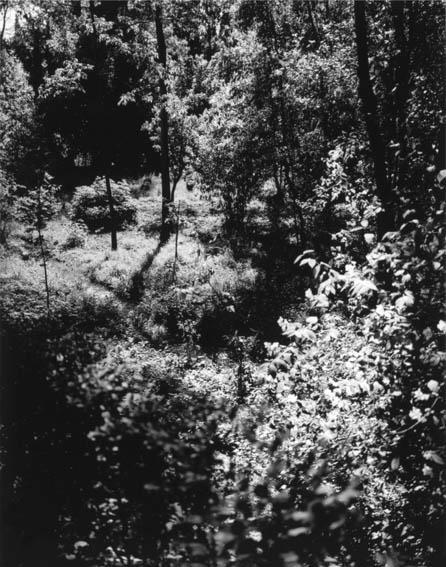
[90,267]
[89,270]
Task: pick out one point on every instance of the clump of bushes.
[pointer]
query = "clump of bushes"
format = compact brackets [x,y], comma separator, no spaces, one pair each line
[90,205]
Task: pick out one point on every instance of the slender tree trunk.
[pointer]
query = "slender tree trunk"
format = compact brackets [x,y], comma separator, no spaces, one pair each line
[3,27]
[111,208]
[45,270]
[37,73]
[402,89]
[42,250]
[174,184]
[176,243]
[313,24]
[114,232]
[368,99]
[164,119]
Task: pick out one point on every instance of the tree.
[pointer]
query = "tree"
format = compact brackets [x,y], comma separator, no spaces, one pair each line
[90,72]
[370,110]
[230,155]
[36,208]
[164,125]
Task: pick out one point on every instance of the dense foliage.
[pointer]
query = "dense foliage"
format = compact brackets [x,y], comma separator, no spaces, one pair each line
[254,374]
[90,205]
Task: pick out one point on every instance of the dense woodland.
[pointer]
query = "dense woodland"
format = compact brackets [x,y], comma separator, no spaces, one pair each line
[222,243]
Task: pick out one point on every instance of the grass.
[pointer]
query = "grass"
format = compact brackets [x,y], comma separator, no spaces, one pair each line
[82,263]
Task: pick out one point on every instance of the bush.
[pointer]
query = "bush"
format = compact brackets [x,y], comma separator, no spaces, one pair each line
[397,296]
[75,238]
[90,205]
[7,206]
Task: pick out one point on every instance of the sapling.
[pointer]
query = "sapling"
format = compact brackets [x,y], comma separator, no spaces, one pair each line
[36,209]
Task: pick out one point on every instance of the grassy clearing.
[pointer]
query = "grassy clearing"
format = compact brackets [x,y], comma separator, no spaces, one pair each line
[81,264]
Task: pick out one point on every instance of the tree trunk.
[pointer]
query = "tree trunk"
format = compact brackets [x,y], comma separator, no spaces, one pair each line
[385,220]
[174,184]
[402,89]
[42,249]
[165,177]
[114,235]
[314,28]
[176,243]
[3,27]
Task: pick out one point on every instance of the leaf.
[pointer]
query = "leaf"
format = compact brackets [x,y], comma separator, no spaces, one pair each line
[304,254]
[409,226]
[363,287]
[311,262]
[298,531]
[441,176]
[415,414]
[434,457]
[405,301]
[433,386]
[390,236]
[394,465]
[308,294]
[409,213]
[80,545]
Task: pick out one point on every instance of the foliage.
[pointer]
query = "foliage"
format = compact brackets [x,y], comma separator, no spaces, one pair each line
[39,204]
[226,159]
[90,205]
[76,237]
[180,133]
[204,298]
[202,400]
[16,117]
[7,205]
[398,293]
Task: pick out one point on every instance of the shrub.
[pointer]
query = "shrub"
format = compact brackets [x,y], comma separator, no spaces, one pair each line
[398,296]
[39,204]
[75,238]
[7,206]
[90,205]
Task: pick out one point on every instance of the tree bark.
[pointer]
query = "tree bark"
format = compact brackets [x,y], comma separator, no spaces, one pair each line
[402,88]
[3,27]
[114,232]
[164,124]
[106,161]
[367,96]
[314,28]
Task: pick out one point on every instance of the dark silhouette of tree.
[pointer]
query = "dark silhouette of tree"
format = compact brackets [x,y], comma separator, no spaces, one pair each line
[370,109]
[164,124]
